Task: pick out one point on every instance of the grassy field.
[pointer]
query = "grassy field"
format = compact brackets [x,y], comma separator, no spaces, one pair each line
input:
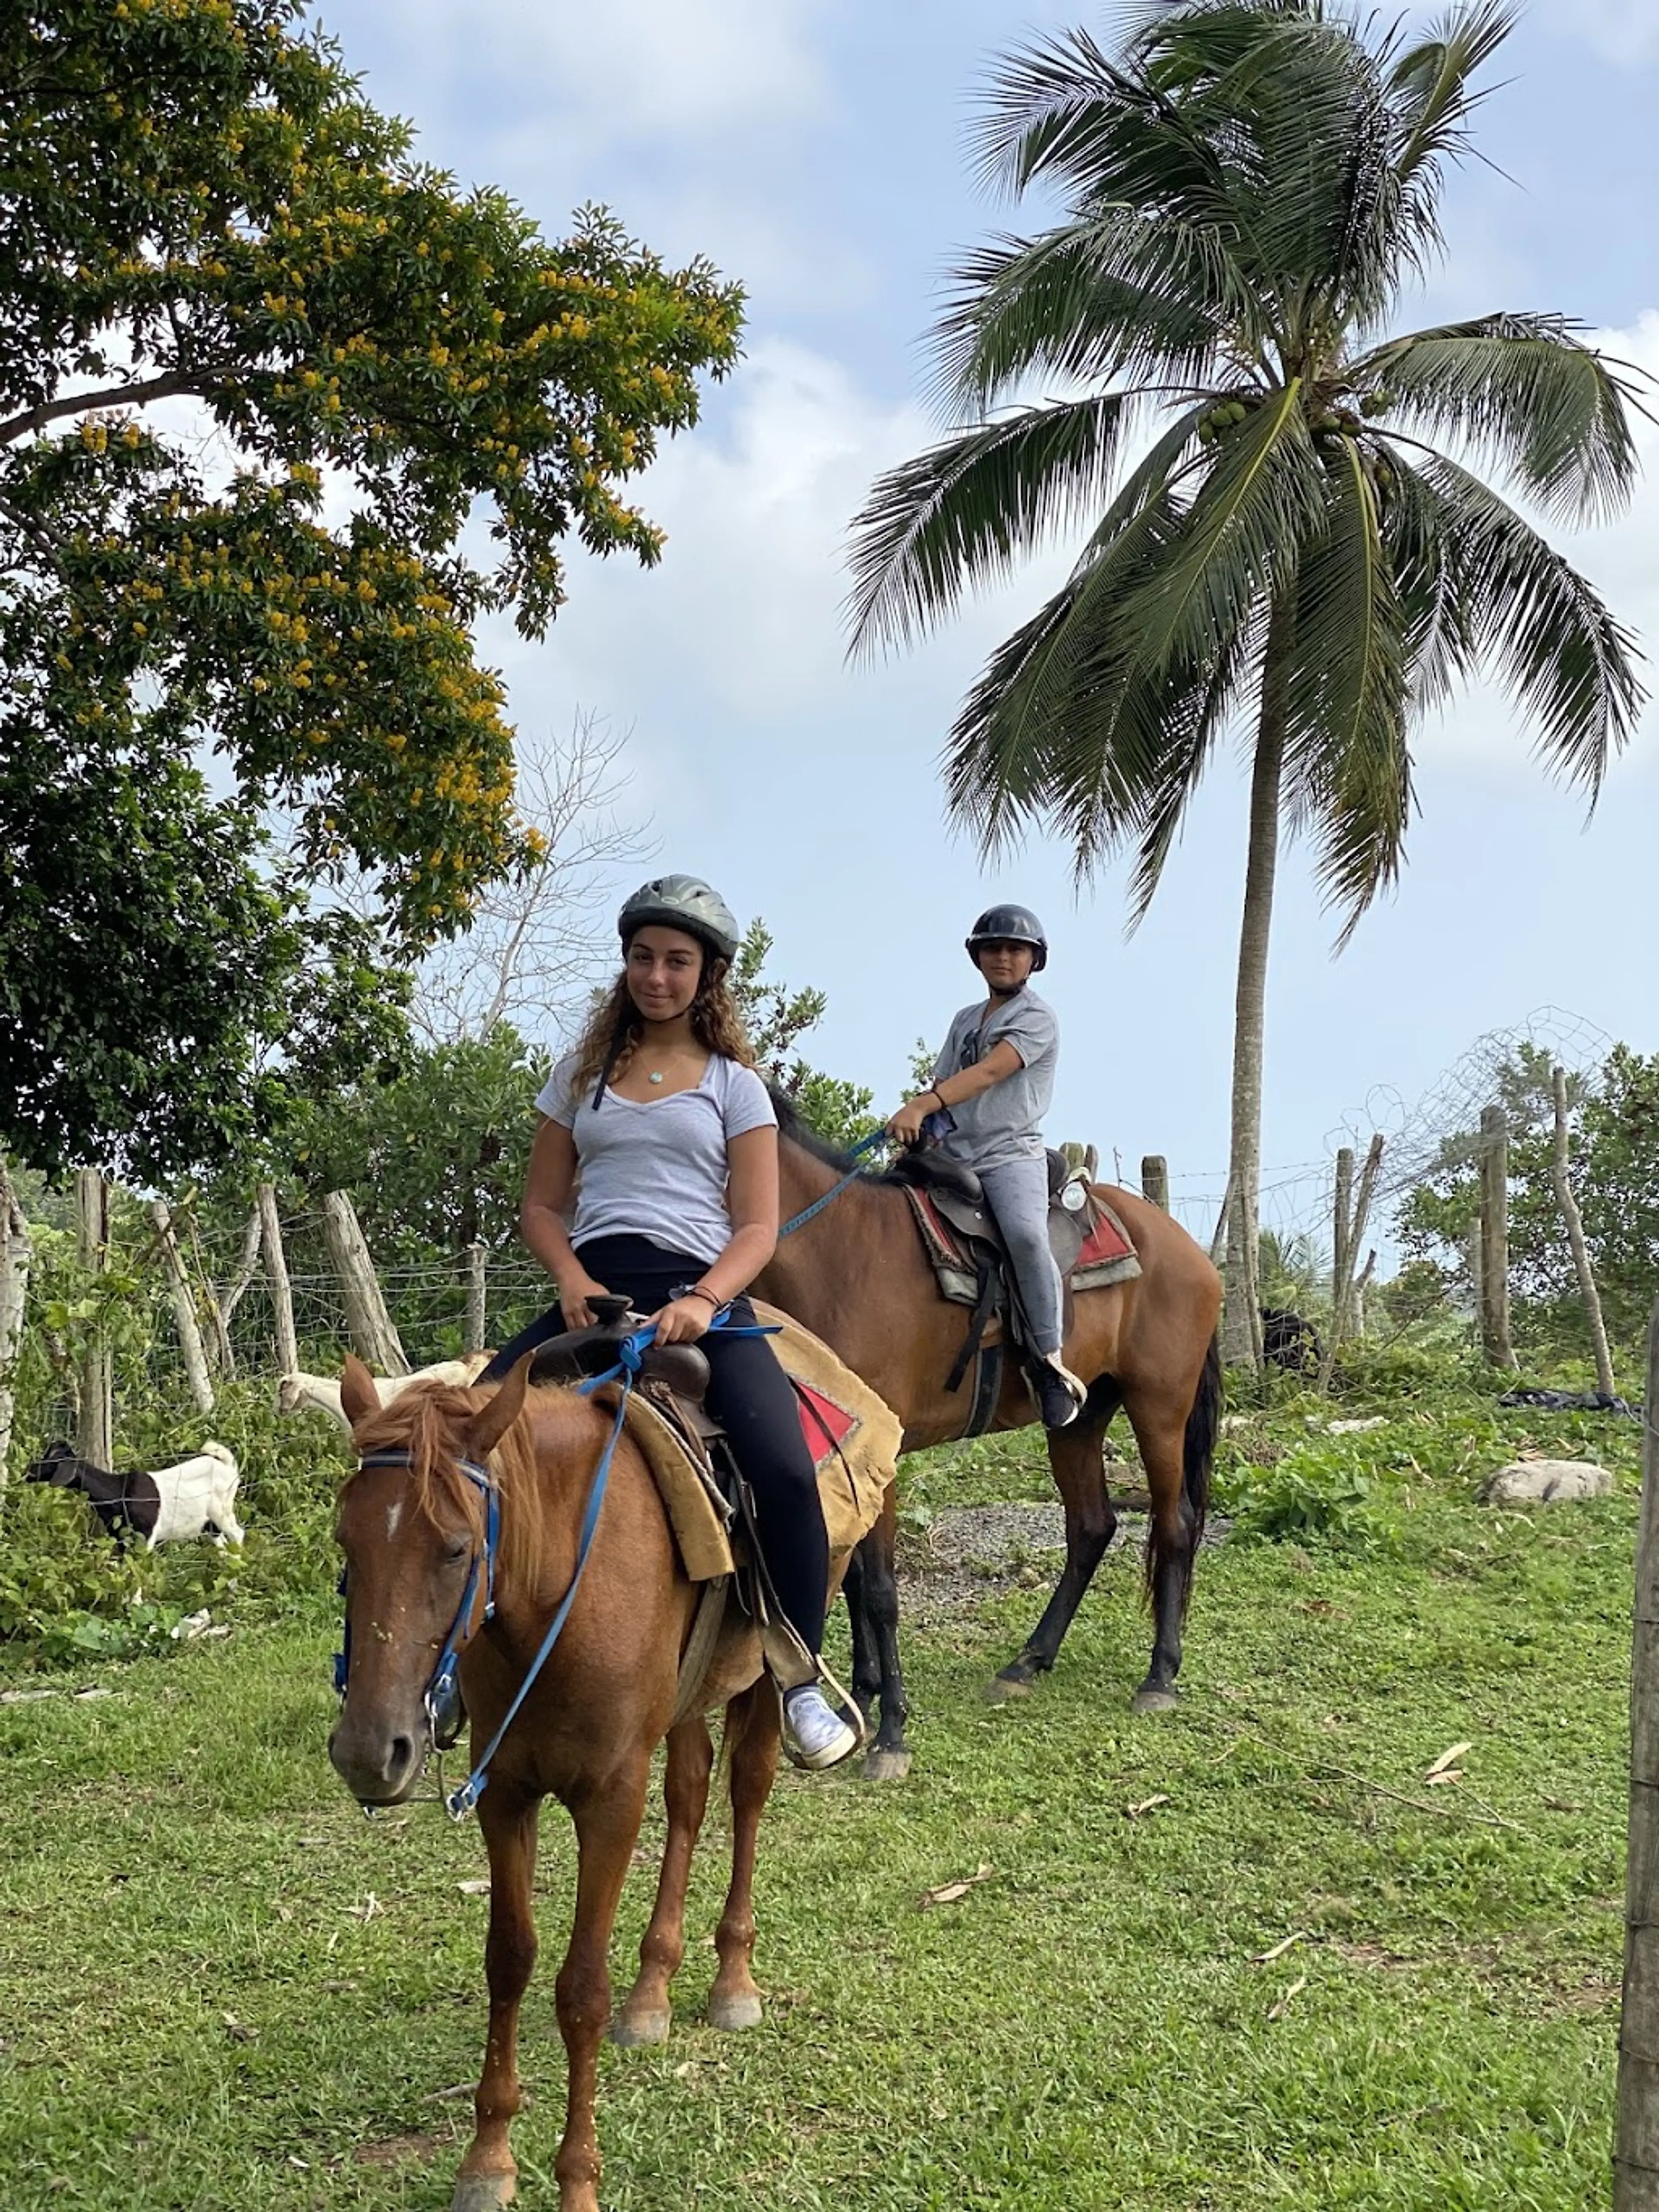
[220,1986]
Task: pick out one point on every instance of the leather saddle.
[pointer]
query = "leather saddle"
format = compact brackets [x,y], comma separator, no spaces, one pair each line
[955,1195]
[676,1372]
[674,1377]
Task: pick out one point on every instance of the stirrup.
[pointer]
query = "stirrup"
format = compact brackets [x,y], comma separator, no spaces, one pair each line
[1074,1384]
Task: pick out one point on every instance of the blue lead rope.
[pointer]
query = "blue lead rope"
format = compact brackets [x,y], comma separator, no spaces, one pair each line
[631,1354]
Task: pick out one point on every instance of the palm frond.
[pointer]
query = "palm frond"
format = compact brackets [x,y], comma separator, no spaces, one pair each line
[1438,643]
[1004,761]
[1298,106]
[1260,497]
[1086,713]
[1346,760]
[1111,296]
[1429,87]
[1566,661]
[961,511]
[1171,787]
[1524,391]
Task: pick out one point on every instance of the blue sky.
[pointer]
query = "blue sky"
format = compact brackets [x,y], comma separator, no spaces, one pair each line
[815,152]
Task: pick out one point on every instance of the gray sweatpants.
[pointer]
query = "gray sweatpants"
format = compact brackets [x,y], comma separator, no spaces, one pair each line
[1018,1192]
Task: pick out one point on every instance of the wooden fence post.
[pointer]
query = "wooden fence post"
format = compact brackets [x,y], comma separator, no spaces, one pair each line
[15,1254]
[1155,1180]
[372,1336]
[95,1423]
[1361,1285]
[1341,1216]
[1353,1212]
[1495,1340]
[282,1292]
[473,1339]
[1636,2147]
[225,1302]
[184,1309]
[1574,1219]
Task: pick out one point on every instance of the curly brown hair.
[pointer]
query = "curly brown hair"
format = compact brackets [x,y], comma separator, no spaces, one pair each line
[606,1045]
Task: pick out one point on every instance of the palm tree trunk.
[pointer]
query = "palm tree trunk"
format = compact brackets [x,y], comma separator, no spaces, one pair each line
[1241,1337]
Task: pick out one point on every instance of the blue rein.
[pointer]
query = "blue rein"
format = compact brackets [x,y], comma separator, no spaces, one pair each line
[442,1699]
[864,1144]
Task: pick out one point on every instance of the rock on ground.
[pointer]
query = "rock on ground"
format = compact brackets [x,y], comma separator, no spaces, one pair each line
[1545,1482]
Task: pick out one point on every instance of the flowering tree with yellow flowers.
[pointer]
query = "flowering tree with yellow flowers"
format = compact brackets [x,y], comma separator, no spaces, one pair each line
[260,371]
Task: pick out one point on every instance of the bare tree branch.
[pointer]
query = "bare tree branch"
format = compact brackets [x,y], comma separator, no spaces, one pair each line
[175,382]
[536,946]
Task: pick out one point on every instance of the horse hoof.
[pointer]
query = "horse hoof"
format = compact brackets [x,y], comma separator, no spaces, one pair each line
[632,2031]
[886,1765]
[483,2192]
[732,2014]
[1008,1684]
[1153,1701]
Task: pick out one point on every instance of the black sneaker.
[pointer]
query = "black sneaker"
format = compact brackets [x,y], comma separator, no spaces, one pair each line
[1056,1404]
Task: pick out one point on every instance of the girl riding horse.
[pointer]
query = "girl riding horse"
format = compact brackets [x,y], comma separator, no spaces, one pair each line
[659,1127]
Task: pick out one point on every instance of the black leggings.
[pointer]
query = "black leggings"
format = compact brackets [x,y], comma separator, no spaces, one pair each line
[753,1400]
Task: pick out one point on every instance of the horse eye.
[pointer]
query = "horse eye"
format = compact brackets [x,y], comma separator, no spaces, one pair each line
[456,1548]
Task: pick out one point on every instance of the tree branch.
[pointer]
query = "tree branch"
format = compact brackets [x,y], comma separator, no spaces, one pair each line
[175,383]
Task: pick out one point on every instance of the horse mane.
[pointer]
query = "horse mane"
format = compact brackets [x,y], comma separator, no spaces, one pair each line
[424,1422]
[796,1130]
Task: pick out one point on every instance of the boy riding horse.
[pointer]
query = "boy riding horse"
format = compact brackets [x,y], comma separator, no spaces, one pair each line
[993,1083]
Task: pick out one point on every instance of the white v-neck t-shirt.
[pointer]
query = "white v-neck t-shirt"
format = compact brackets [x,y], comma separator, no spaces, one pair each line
[657,1167]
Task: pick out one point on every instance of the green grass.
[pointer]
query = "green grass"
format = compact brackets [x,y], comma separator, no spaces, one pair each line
[1086,2027]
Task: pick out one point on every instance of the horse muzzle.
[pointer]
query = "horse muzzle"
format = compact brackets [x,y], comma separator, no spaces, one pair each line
[379,1764]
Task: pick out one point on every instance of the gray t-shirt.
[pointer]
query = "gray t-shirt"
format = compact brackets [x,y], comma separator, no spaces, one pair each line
[657,1168]
[1005,1122]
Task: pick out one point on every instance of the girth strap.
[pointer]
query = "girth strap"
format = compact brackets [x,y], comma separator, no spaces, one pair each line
[990,1282]
[706,1625]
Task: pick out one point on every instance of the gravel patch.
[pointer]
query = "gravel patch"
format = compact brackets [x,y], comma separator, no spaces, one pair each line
[968,1554]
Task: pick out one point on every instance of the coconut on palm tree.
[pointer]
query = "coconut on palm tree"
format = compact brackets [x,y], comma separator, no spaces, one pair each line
[1310,551]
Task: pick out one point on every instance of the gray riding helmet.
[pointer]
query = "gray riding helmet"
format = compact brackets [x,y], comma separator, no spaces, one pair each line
[1009,925]
[681,902]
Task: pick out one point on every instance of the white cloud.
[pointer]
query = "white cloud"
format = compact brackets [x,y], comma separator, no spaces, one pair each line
[620,70]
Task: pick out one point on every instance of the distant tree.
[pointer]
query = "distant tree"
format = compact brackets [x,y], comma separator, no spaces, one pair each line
[537,940]
[1615,1179]
[1245,190]
[260,371]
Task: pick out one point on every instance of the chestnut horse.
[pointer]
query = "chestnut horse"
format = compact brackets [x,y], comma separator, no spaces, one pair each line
[411,1531]
[856,1275]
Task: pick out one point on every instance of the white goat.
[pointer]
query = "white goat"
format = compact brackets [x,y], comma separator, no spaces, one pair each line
[197,1494]
[294,1392]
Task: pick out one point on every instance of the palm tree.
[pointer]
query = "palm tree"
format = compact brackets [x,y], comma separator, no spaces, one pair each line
[1309,550]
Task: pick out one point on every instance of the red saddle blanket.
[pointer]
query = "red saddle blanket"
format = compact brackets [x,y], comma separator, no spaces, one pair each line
[1105,1256]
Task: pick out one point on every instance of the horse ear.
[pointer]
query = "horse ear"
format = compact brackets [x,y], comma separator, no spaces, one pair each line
[358,1396]
[491,1423]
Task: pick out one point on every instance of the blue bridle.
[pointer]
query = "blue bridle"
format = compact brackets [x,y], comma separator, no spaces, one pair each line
[442,1699]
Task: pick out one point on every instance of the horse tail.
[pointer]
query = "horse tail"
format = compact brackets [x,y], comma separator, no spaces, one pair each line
[1198,1449]
[1198,1446]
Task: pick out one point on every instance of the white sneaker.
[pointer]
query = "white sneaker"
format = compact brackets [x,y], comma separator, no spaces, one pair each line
[818,1734]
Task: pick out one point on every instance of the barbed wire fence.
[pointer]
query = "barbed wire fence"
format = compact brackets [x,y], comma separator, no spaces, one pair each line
[427,1300]
[1296,1198]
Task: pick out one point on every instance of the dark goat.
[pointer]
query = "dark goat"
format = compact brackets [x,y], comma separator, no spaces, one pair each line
[1290,1341]
[125,1504]
[197,1497]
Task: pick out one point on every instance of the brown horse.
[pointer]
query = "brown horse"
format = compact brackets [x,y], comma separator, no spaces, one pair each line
[856,1275]
[586,1732]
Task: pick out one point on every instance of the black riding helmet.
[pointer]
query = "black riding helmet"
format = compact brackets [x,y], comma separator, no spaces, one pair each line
[1009,925]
